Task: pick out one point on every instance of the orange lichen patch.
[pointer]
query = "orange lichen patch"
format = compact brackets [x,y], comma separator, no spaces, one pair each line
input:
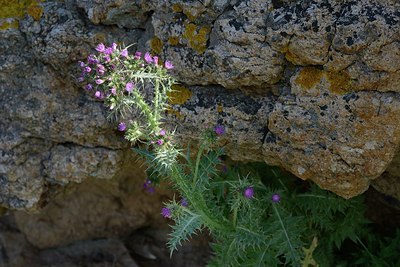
[308,77]
[179,95]
[177,8]
[35,11]
[173,40]
[220,108]
[197,38]
[156,45]
[339,81]
[292,58]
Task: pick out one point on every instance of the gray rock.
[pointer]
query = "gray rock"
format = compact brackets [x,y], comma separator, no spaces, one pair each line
[282,61]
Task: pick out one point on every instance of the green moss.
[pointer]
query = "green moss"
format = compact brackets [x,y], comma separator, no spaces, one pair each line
[197,37]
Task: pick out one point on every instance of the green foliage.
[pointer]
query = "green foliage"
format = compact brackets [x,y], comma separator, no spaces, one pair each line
[385,252]
[256,214]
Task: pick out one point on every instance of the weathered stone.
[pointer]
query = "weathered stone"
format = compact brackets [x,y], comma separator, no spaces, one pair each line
[334,140]
[329,138]
[388,183]
[308,53]
[75,164]
[95,208]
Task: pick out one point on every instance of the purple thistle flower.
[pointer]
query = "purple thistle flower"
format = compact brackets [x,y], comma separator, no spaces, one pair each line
[121,126]
[224,168]
[99,81]
[168,65]
[276,198]
[129,87]
[124,53]
[81,64]
[108,51]
[162,132]
[248,192]
[100,69]
[166,213]
[101,48]
[87,69]
[81,79]
[138,55]
[148,58]
[160,142]
[92,59]
[146,183]
[148,187]
[89,86]
[155,59]
[113,91]
[98,95]
[184,202]
[219,130]
[107,58]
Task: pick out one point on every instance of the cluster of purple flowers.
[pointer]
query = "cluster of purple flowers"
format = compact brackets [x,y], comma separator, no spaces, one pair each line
[161,136]
[167,212]
[219,130]
[97,69]
[147,185]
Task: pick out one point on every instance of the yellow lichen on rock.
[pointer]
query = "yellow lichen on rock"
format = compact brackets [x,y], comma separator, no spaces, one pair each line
[173,40]
[197,38]
[35,11]
[189,15]
[220,108]
[308,77]
[179,95]
[156,45]
[292,58]
[9,24]
[12,10]
[177,114]
[339,81]
[177,8]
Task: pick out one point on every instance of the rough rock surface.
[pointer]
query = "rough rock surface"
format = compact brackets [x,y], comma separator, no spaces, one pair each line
[96,208]
[144,248]
[312,86]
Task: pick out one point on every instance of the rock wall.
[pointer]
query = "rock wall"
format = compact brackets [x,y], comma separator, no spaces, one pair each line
[312,86]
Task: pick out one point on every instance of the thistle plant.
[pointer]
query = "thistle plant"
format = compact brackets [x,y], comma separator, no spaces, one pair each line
[131,86]
[256,214]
